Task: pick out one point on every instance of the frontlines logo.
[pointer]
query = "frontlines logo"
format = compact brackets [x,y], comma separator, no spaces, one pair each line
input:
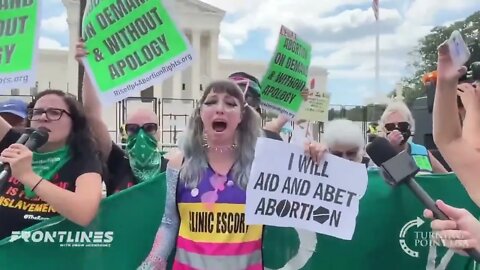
[66,238]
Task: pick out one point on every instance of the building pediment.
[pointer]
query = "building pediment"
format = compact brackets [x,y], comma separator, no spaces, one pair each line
[198,7]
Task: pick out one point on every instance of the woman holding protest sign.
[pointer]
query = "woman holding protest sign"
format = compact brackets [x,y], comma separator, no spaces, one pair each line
[210,176]
[142,160]
[62,177]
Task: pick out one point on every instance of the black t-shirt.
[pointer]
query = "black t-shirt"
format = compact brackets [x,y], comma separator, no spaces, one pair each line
[18,212]
[272,135]
[120,174]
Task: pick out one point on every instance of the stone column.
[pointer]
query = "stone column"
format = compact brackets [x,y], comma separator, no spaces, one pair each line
[177,85]
[213,54]
[195,81]
[73,20]
[157,90]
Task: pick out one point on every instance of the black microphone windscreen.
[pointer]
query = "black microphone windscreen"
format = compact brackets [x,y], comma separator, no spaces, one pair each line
[380,150]
[38,138]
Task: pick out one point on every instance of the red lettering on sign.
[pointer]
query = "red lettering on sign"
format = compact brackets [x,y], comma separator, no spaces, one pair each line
[63,185]
[12,191]
[13,180]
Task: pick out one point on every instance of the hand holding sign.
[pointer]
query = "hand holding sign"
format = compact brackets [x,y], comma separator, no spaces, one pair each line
[459,51]
[294,190]
[447,71]
[287,74]
[316,151]
[80,51]
[132,47]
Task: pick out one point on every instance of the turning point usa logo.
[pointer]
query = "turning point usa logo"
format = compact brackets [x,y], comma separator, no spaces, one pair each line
[66,238]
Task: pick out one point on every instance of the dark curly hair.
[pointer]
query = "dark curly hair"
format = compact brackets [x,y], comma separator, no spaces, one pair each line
[81,142]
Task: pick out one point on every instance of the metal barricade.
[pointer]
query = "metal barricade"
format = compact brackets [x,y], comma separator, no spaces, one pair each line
[26,98]
[174,115]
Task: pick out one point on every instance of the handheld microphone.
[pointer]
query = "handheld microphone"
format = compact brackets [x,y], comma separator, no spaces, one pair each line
[26,132]
[399,168]
[37,139]
[6,168]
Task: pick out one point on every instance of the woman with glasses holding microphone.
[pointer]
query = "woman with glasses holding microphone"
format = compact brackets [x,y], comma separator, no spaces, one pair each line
[62,177]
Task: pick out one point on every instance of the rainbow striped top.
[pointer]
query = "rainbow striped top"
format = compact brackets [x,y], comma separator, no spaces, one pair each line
[212,233]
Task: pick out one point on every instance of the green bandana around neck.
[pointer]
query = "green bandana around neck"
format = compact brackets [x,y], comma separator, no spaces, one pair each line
[144,156]
[47,164]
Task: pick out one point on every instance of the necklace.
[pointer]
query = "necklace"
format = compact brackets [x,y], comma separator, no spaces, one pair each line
[220,149]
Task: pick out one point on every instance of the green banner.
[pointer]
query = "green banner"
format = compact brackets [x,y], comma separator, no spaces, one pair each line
[128,221]
[391,233]
[132,45]
[287,74]
[19,31]
[119,238]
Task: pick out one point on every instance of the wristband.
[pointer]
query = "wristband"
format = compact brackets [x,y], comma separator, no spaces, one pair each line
[36,185]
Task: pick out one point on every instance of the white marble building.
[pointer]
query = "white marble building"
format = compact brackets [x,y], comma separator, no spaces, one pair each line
[201,24]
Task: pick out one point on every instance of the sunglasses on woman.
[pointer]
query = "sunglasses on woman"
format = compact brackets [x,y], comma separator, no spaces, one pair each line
[52,114]
[401,126]
[133,129]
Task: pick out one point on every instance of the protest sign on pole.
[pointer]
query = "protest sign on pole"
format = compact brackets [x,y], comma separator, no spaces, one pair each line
[287,74]
[19,33]
[292,191]
[315,109]
[132,45]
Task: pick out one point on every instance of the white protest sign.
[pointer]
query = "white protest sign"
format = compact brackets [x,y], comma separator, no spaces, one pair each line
[301,134]
[291,191]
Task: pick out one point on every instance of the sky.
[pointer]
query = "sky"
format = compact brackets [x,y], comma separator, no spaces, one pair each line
[342,34]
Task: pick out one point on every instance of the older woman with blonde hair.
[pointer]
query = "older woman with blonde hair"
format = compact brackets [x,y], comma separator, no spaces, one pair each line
[397,125]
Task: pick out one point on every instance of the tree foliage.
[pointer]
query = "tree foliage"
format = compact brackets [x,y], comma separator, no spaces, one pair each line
[369,113]
[424,56]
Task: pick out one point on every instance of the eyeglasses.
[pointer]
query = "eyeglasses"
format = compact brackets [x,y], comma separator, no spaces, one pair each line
[351,154]
[133,129]
[401,126]
[53,114]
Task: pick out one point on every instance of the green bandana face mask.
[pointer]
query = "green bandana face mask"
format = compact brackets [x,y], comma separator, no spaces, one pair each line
[144,156]
[46,165]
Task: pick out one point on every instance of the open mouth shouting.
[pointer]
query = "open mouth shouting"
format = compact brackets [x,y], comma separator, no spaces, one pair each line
[219,125]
